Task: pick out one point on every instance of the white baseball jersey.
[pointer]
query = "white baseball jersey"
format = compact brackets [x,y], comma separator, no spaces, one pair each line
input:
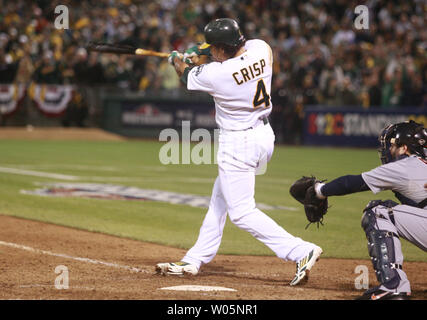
[240,86]
[406,176]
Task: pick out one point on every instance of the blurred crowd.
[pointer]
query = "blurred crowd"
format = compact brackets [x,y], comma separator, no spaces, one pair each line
[320,58]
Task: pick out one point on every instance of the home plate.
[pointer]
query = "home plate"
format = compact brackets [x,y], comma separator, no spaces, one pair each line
[197,288]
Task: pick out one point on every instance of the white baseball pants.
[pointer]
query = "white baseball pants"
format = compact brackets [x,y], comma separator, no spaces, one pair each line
[240,154]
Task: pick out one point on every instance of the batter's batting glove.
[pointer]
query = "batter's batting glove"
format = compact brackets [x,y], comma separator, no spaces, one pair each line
[174,54]
[194,52]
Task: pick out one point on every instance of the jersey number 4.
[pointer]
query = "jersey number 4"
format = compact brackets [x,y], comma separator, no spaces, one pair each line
[261,95]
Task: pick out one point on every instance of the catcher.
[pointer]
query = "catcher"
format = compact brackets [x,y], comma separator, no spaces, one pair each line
[403,155]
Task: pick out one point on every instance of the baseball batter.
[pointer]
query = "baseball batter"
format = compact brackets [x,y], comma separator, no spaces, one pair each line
[239,80]
[404,171]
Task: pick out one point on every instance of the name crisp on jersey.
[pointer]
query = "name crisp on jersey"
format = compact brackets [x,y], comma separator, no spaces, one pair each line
[254,71]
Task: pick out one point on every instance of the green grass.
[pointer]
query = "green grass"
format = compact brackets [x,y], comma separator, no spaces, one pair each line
[136,163]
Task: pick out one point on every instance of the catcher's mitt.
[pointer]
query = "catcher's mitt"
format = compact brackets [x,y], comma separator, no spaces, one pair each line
[303,191]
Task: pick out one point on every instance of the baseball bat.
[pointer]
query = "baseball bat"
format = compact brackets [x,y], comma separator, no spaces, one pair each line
[124,49]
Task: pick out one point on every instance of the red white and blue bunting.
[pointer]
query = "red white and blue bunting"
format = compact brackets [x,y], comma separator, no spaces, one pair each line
[51,99]
[11,96]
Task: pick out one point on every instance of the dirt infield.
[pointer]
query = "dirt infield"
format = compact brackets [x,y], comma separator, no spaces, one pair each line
[106,267]
[55,133]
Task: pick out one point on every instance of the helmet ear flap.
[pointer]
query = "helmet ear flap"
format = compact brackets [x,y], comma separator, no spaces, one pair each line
[384,139]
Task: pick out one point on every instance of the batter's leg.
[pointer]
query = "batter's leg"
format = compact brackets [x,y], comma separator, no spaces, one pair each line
[210,235]
[238,188]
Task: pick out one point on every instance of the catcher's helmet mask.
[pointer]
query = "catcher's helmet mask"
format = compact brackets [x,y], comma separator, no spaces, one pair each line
[409,133]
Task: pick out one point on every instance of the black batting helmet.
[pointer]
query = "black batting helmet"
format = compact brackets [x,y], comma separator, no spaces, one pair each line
[409,133]
[224,31]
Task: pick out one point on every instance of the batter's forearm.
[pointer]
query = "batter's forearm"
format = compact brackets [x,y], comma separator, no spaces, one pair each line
[180,66]
[182,69]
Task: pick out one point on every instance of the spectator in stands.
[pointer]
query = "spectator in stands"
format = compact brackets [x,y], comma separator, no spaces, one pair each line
[319,55]
[25,68]
[347,93]
[48,71]
[76,112]
[7,67]
[80,66]
[373,89]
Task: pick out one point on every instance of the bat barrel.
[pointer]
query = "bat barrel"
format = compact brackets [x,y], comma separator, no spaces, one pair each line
[122,49]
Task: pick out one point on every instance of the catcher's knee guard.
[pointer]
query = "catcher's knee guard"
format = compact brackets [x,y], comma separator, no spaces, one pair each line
[381,247]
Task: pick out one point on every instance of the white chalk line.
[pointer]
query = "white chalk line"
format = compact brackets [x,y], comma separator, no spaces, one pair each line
[20,170]
[115,179]
[66,256]
[147,179]
[37,285]
[59,176]
[117,266]
[38,174]
[60,166]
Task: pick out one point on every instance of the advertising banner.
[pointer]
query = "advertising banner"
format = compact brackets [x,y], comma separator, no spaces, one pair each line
[353,127]
[167,114]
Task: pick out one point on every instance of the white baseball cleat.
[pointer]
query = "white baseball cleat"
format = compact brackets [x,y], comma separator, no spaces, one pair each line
[176,268]
[305,264]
